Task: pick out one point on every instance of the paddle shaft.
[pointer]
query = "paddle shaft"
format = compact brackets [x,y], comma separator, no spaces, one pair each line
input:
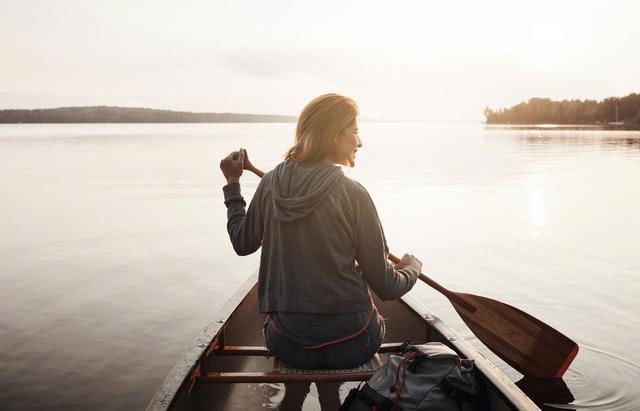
[255,171]
[444,291]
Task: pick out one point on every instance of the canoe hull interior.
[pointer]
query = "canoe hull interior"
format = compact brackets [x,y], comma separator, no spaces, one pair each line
[184,390]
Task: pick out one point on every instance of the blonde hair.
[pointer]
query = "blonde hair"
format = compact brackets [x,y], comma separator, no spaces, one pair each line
[321,121]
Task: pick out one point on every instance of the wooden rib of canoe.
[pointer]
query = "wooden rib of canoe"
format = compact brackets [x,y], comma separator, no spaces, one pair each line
[228,367]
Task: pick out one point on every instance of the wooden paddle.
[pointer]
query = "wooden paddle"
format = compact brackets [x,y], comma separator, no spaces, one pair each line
[527,344]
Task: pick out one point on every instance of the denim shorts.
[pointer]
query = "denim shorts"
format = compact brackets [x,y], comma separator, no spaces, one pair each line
[345,354]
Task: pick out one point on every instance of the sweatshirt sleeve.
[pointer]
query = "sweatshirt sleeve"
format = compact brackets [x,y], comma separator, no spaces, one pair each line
[372,252]
[244,227]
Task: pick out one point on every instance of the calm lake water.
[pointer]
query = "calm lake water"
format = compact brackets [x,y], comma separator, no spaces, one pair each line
[114,252]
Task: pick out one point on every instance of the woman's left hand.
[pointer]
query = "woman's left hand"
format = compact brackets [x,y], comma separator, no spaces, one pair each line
[232,166]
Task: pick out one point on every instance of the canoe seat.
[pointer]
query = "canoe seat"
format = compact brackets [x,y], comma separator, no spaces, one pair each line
[283,373]
[369,366]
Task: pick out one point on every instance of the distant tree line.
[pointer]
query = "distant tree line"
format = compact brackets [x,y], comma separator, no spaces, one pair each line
[105,114]
[544,110]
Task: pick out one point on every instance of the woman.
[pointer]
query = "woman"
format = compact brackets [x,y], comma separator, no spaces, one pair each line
[322,246]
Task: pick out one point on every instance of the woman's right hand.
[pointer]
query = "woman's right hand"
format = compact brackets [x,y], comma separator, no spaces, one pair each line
[409,260]
[232,166]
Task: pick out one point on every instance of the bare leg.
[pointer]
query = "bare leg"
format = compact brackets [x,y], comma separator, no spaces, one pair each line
[294,396]
[329,395]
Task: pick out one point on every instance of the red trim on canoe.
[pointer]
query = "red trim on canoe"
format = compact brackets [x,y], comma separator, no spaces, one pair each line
[567,362]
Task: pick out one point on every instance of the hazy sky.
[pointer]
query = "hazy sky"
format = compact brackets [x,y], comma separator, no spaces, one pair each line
[414,60]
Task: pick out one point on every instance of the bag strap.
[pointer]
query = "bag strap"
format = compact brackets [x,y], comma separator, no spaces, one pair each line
[402,367]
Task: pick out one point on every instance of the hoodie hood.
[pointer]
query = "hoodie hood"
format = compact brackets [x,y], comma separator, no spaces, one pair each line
[298,187]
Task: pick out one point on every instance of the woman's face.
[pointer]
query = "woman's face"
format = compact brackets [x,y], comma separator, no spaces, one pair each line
[347,144]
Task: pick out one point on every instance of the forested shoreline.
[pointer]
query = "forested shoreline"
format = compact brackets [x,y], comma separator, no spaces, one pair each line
[106,114]
[618,111]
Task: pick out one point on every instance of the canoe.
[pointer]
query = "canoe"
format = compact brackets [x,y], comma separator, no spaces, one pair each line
[228,368]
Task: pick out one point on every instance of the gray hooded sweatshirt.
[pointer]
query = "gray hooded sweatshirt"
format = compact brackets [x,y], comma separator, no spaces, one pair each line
[314,224]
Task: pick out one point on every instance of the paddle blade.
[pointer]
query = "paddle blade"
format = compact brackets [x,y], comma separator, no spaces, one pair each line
[522,341]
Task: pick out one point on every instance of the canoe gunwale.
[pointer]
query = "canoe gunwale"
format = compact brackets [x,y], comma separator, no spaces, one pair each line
[175,382]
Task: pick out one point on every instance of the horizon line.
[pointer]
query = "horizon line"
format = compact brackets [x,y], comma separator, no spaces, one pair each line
[364,119]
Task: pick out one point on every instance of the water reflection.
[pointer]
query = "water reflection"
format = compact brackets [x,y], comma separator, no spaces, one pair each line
[577,140]
[570,137]
[590,128]
[543,127]
[629,142]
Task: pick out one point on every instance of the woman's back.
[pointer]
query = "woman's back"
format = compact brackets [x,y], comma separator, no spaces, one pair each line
[314,223]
